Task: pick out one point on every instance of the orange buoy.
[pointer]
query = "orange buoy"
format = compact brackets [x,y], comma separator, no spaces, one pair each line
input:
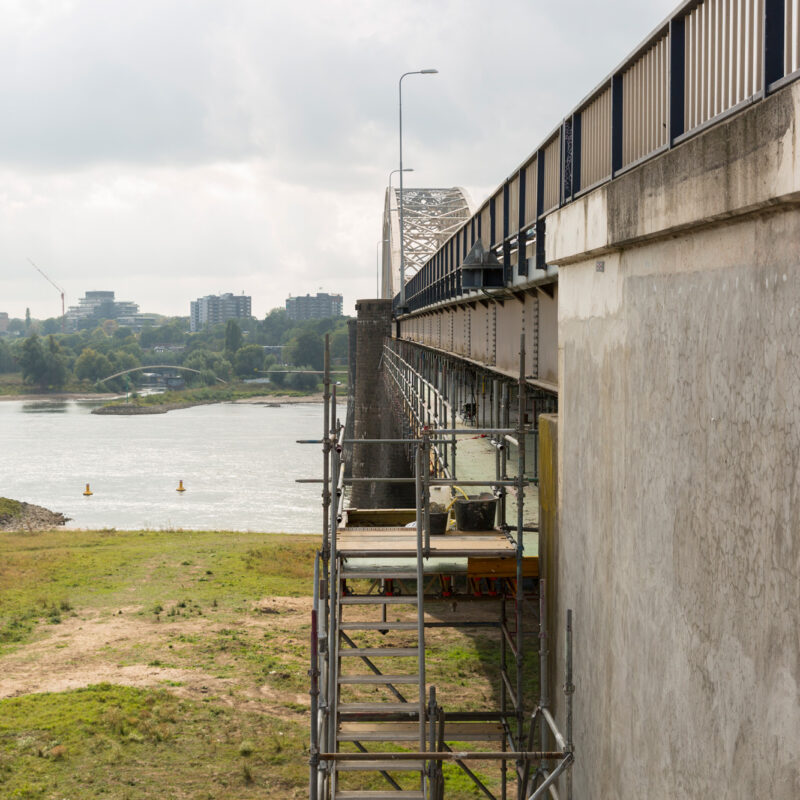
[181,487]
[88,492]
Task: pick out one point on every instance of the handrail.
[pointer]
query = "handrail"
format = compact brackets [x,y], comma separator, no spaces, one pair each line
[706,60]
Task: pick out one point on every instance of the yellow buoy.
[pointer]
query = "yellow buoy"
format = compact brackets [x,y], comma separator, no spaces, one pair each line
[181,487]
[88,491]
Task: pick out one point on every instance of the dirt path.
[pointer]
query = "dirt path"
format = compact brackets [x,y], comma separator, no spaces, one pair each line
[87,649]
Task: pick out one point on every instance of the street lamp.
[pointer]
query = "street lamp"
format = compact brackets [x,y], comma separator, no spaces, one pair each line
[402,245]
[378,267]
[395,171]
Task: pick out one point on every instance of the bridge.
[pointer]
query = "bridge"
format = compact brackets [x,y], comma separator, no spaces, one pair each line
[643,261]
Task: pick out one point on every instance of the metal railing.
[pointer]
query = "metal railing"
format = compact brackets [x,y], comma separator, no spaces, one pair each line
[709,59]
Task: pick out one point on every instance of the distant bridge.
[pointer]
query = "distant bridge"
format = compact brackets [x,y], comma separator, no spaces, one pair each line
[154,366]
[431,217]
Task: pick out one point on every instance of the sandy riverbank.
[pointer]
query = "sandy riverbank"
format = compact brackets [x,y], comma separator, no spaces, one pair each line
[281,399]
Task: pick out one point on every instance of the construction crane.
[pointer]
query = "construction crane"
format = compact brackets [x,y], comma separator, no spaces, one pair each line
[61,291]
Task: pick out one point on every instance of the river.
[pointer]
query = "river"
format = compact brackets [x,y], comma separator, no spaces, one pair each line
[238,463]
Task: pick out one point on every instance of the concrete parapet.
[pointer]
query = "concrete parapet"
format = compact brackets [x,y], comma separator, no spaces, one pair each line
[679,435]
[748,164]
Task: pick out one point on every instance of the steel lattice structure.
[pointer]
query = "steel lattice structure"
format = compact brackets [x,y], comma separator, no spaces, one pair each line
[431,217]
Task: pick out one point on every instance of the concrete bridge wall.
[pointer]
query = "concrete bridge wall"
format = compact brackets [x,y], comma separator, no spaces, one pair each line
[679,465]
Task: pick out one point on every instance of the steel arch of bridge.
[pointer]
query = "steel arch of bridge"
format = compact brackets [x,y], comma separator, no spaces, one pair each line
[431,216]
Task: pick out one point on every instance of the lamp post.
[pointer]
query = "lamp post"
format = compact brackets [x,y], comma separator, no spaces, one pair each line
[378,267]
[402,246]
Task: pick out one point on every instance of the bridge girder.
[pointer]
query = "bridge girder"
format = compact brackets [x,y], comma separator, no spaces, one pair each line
[485,331]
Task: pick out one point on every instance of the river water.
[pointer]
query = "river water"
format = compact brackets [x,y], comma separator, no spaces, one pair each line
[238,463]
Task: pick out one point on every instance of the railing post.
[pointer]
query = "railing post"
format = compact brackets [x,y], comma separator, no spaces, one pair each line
[313,673]
[565,162]
[520,711]
[522,236]
[676,76]
[616,124]
[333,599]
[507,276]
[541,260]
[426,491]
[575,185]
[420,597]
[326,443]
[774,41]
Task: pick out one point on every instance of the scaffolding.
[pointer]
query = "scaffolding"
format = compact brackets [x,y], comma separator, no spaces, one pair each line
[381,574]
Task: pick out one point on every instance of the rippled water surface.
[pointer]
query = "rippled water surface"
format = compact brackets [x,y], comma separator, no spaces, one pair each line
[238,463]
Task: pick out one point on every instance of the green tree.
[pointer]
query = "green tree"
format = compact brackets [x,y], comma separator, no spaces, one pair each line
[233,338]
[92,366]
[51,325]
[7,362]
[306,348]
[100,341]
[276,326]
[277,375]
[340,344]
[249,360]
[222,368]
[32,360]
[307,382]
[45,364]
[171,333]
[55,365]
[122,360]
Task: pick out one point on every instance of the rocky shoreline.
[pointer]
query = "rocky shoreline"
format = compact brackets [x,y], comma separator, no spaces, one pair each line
[29,517]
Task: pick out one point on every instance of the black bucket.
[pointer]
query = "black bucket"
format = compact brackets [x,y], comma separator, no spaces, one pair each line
[438,521]
[477,513]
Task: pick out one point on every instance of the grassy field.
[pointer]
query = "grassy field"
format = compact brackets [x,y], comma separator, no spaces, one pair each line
[170,664]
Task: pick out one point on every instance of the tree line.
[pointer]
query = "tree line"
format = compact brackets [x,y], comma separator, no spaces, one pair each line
[229,351]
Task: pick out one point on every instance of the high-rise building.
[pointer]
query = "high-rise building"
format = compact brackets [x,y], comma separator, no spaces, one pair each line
[318,306]
[4,321]
[94,307]
[215,308]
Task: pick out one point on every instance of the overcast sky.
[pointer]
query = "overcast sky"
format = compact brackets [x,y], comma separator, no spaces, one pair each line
[169,149]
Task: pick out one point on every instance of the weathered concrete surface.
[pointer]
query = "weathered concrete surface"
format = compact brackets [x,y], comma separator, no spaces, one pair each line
[679,467]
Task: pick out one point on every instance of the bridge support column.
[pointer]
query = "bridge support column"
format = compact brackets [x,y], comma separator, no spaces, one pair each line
[373,417]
